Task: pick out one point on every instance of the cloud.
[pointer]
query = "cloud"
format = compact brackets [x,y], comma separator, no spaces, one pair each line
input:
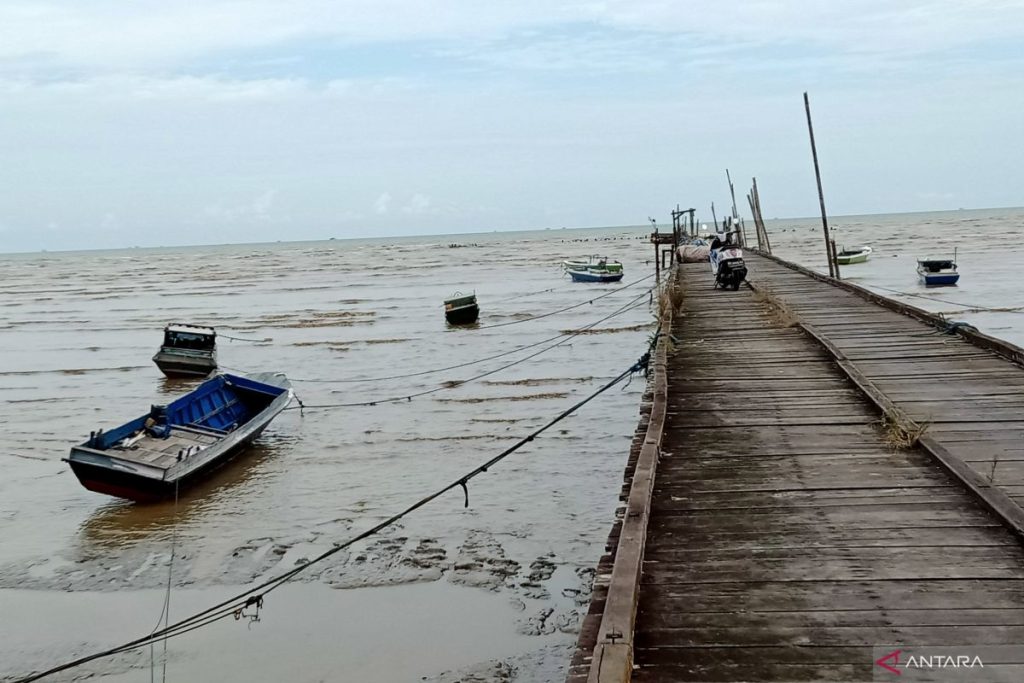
[382,203]
[153,34]
[256,211]
[148,33]
[176,117]
[419,203]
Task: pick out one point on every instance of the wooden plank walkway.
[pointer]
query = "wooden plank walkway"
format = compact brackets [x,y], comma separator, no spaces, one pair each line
[971,398]
[786,541]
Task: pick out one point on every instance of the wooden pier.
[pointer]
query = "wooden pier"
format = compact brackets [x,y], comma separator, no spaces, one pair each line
[774,527]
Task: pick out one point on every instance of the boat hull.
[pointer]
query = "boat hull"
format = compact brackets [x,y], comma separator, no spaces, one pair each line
[102,468]
[594,276]
[177,364]
[848,260]
[944,280]
[142,489]
[465,315]
[853,255]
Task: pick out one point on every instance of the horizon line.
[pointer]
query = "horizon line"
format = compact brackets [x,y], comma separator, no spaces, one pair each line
[491,232]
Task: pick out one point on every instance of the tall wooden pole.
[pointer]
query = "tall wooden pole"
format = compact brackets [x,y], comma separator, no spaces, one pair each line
[735,213]
[750,201]
[821,195]
[759,220]
[714,217]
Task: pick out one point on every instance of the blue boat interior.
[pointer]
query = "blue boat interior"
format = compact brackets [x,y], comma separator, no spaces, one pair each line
[219,405]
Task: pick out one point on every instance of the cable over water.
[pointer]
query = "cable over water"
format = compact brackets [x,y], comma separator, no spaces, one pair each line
[252,599]
[421,373]
[971,308]
[567,308]
[452,384]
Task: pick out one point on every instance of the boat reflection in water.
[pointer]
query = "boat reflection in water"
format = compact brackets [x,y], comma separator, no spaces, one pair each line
[123,522]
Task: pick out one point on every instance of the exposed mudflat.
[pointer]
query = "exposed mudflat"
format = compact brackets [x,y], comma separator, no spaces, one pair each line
[490,592]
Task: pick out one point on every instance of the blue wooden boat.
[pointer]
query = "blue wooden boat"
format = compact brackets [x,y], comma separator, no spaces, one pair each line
[594,275]
[937,272]
[160,453]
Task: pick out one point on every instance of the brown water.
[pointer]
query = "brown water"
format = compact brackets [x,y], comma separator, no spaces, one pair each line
[495,588]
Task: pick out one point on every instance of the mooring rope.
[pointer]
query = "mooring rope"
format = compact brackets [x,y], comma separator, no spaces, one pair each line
[523,296]
[252,599]
[566,308]
[243,339]
[431,371]
[453,384]
[970,308]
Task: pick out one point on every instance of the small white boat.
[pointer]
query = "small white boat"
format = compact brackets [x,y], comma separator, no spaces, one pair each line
[853,255]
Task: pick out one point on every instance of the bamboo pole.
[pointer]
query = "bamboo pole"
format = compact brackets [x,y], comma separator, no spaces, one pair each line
[830,254]
[750,201]
[760,217]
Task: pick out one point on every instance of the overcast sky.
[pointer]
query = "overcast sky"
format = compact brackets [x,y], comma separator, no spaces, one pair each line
[166,122]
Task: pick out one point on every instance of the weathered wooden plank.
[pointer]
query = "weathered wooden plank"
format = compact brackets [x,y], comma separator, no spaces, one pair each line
[746,636]
[748,596]
[658,617]
[780,521]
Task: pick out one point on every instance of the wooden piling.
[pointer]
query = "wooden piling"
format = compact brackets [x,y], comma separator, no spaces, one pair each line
[735,212]
[830,254]
[759,218]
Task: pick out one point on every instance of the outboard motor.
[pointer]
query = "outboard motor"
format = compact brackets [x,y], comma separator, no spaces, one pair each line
[727,265]
[156,423]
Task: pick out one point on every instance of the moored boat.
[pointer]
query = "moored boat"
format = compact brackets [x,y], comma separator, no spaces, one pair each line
[937,272]
[595,275]
[591,263]
[157,455]
[187,351]
[461,309]
[595,269]
[846,256]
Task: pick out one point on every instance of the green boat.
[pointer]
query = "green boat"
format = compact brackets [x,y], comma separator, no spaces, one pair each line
[853,255]
[593,263]
[461,309]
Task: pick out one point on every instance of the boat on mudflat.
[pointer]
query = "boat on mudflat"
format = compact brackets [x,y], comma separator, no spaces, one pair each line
[187,351]
[937,272]
[461,309]
[853,255]
[158,454]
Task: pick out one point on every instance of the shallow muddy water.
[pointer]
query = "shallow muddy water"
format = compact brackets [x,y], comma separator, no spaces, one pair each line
[494,589]
[488,592]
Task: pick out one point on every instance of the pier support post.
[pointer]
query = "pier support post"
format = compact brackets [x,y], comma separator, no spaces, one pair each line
[829,253]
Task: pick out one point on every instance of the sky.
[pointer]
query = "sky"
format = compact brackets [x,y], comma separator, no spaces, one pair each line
[152,123]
